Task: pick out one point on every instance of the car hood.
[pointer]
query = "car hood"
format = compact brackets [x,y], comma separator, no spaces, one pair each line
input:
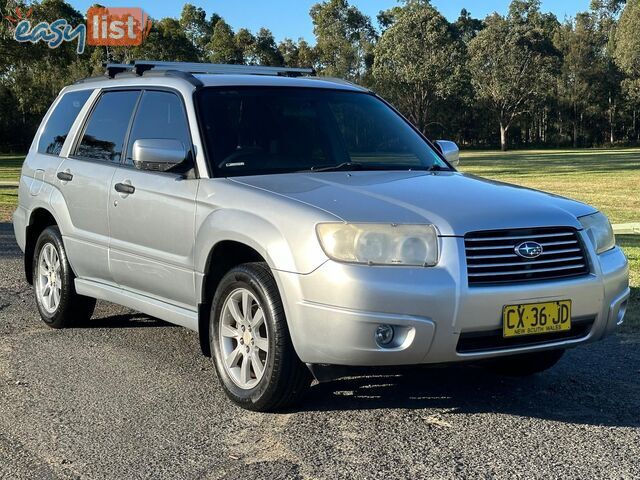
[456,203]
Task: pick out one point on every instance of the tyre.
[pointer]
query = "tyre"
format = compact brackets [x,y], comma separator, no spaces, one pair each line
[526,364]
[56,298]
[249,338]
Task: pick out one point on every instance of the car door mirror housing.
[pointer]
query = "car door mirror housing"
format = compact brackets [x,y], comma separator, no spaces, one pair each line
[450,151]
[158,154]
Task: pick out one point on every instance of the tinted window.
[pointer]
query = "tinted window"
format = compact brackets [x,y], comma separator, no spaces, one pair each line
[159,115]
[271,130]
[368,138]
[60,121]
[104,135]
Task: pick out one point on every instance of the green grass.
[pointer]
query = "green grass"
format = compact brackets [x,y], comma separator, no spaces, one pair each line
[10,166]
[9,172]
[8,201]
[607,179]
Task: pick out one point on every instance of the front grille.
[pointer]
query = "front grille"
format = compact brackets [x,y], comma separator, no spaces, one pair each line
[474,342]
[492,258]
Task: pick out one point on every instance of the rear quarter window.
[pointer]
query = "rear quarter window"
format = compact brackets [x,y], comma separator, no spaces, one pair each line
[57,128]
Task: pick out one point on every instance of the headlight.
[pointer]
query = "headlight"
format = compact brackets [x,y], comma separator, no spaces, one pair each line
[375,244]
[599,231]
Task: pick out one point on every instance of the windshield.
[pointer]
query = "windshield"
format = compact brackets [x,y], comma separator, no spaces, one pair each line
[264,130]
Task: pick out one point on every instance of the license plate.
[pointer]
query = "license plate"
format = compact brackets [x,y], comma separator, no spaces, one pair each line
[536,318]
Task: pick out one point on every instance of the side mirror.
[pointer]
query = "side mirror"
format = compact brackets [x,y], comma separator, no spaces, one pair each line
[450,151]
[158,154]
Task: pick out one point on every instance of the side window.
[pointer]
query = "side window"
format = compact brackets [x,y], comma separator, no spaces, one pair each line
[104,135]
[60,121]
[159,115]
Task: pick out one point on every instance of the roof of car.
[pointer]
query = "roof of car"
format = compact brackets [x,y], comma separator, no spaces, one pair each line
[214,80]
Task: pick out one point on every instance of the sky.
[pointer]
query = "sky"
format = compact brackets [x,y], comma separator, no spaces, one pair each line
[290,18]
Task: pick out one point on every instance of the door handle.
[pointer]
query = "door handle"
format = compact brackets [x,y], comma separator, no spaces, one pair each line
[65,176]
[125,188]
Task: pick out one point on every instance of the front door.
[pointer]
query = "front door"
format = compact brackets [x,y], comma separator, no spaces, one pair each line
[152,223]
[85,180]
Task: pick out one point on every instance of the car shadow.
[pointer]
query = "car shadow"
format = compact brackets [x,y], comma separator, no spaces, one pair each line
[122,321]
[597,384]
[590,386]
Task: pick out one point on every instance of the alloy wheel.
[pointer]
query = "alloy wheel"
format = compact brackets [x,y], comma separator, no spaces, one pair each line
[244,338]
[49,281]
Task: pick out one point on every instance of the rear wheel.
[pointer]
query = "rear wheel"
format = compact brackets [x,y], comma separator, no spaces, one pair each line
[526,364]
[56,298]
[252,350]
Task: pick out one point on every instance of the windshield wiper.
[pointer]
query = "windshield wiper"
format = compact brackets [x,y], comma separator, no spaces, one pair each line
[336,168]
[347,166]
[438,168]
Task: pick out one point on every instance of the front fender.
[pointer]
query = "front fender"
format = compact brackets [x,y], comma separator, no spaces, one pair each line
[296,252]
[300,254]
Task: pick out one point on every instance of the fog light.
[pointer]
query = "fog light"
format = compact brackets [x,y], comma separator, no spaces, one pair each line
[384,335]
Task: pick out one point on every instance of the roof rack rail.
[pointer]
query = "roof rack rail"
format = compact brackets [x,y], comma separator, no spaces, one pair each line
[340,81]
[141,66]
[174,73]
[115,68]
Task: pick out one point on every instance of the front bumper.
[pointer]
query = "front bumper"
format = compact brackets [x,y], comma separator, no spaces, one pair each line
[334,311]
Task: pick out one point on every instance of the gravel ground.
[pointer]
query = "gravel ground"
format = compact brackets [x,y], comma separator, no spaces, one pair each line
[128,396]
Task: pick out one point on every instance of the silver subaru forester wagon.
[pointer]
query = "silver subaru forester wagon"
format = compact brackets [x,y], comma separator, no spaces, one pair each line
[300,225]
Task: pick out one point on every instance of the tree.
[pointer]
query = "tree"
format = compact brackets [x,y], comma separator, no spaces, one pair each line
[627,49]
[344,39]
[631,90]
[606,12]
[627,57]
[193,20]
[386,18]
[521,76]
[419,61]
[27,70]
[512,63]
[266,51]
[307,55]
[166,41]
[467,27]
[246,44]
[223,48]
[581,67]
[290,52]
[612,7]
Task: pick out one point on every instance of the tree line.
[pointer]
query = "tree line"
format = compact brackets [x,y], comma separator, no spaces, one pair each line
[522,79]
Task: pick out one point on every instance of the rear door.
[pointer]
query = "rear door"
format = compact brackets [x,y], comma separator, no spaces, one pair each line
[85,179]
[153,228]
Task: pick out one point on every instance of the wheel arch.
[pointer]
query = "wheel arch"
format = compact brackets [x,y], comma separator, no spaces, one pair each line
[240,236]
[39,219]
[222,257]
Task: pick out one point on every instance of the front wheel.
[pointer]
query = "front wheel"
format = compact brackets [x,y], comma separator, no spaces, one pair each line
[252,350]
[526,364]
